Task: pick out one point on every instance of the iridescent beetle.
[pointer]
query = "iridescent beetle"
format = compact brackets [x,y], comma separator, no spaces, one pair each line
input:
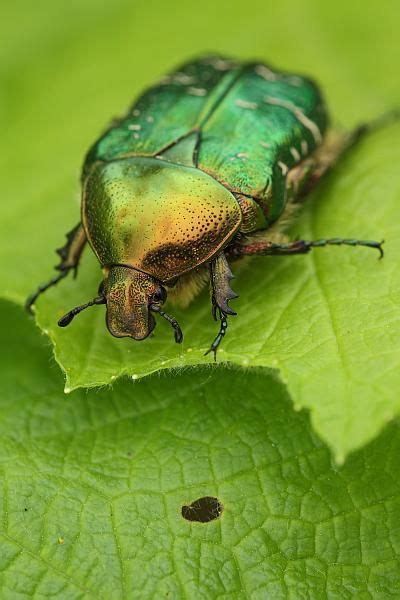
[214,154]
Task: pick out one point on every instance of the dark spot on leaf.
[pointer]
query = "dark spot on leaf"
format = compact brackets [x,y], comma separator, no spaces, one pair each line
[203,510]
[25,509]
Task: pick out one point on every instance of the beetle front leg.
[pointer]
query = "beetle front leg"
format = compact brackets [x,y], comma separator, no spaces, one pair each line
[221,276]
[300,247]
[70,255]
[222,331]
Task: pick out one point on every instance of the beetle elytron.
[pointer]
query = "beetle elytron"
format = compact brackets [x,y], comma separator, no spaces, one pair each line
[204,161]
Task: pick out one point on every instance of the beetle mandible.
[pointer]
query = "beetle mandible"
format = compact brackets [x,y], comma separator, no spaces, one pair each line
[215,153]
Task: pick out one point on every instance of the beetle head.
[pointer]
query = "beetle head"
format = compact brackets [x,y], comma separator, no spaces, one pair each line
[131,297]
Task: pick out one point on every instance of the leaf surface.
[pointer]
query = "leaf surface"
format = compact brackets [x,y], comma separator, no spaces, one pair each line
[93,485]
[328,322]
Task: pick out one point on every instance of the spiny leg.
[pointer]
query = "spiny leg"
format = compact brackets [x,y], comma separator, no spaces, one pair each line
[70,254]
[220,275]
[300,246]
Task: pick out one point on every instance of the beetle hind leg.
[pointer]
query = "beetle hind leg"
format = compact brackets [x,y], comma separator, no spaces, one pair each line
[304,177]
[267,248]
[70,254]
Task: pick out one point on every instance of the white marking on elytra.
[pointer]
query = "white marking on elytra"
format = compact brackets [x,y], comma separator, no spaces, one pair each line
[270,75]
[299,114]
[284,168]
[135,127]
[304,147]
[219,64]
[266,73]
[295,153]
[265,145]
[294,80]
[136,136]
[183,78]
[150,119]
[242,155]
[136,112]
[194,91]
[246,104]
[165,80]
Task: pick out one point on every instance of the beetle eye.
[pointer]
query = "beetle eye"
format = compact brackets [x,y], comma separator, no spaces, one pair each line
[159,295]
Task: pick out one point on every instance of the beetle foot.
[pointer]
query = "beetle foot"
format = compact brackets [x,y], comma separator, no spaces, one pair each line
[221,334]
[212,349]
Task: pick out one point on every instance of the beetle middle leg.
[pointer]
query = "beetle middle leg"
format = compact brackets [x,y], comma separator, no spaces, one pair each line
[70,254]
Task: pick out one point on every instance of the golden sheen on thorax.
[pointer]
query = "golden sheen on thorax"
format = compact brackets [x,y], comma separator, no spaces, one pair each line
[155,216]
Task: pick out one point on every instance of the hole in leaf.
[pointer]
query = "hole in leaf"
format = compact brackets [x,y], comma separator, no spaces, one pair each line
[203,510]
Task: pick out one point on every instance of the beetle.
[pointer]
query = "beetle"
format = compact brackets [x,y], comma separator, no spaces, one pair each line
[201,171]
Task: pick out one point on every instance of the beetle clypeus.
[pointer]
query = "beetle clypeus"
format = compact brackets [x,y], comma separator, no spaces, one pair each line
[215,153]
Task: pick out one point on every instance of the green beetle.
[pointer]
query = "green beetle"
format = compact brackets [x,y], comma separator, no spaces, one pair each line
[201,171]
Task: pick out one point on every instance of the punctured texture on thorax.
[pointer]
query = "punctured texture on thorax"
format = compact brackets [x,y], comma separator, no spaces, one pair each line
[160,218]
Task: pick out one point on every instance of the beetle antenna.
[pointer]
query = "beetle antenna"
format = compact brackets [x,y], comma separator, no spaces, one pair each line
[66,319]
[171,320]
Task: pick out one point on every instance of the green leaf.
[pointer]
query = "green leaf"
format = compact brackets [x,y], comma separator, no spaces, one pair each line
[328,323]
[93,485]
